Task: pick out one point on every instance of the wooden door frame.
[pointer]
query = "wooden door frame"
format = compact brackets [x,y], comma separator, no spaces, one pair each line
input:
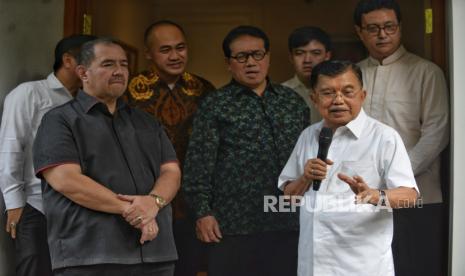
[438,37]
[74,24]
[74,16]
[75,9]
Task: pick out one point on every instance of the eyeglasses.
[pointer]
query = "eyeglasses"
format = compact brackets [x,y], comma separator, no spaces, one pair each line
[330,95]
[374,29]
[242,57]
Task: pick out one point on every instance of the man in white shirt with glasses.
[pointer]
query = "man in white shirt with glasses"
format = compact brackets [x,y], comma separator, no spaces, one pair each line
[346,226]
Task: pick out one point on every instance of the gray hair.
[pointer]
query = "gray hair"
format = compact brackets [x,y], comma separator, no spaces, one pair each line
[87,54]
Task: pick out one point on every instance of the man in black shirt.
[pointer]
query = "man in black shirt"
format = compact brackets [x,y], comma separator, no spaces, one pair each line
[105,194]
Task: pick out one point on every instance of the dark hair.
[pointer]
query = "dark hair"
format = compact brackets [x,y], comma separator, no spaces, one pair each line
[241,31]
[71,45]
[332,68]
[366,6]
[87,54]
[156,24]
[304,35]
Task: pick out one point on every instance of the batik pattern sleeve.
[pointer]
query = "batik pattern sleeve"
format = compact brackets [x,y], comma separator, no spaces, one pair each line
[201,159]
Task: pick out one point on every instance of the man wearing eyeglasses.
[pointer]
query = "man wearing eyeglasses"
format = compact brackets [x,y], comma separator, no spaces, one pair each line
[346,226]
[242,136]
[410,94]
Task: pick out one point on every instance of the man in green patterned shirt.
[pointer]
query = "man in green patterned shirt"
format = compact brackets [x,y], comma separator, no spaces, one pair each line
[242,137]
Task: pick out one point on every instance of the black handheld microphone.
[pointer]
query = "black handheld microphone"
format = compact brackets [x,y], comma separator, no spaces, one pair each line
[326,136]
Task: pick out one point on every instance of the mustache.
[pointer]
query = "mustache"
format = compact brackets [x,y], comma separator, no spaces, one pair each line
[118,79]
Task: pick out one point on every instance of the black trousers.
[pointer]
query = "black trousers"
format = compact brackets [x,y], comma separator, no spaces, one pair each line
[145,269]
[265,254]
[192,253]
[32,254]
[419,243]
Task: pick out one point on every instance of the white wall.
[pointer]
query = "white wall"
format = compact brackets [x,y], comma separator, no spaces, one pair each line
[456,9]
[29,30]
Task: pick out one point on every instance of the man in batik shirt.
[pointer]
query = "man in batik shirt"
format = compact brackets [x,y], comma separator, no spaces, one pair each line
[171,95]
[242,137]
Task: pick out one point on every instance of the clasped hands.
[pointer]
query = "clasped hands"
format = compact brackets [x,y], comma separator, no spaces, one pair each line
[141,213]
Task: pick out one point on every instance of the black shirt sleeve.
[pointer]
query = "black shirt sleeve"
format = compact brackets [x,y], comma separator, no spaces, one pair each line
[167,151]
[54,144]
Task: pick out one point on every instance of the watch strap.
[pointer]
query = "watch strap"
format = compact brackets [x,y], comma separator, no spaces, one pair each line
[160,201]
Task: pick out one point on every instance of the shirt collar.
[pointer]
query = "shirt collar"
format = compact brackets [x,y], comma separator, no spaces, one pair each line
[180,82]
[390,59]
[241,89]
[355,126]
[88,102]
[55,84]
[295,82]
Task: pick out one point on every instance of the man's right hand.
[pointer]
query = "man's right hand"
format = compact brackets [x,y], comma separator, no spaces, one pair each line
[12,222]
[208,229]
[141,210]
[316,169]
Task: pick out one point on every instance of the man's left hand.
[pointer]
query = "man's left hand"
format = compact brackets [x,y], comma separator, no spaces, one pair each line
[142,210]
[149,231]
[363,193]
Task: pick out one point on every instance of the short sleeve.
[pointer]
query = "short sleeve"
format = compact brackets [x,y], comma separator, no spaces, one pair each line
[295,165]
[167,151]
[398,169]
[54,143]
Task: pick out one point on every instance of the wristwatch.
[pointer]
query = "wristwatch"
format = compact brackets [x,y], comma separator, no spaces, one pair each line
[382,197]
[160,201]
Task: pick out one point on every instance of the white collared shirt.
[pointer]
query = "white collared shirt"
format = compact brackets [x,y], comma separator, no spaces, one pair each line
[296,85]
[337,236]
[410,94]
[23,110]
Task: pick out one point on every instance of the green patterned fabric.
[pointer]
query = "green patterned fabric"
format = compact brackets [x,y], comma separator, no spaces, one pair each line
[239,145]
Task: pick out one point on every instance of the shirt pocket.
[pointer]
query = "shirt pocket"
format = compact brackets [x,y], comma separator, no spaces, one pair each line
[365,168]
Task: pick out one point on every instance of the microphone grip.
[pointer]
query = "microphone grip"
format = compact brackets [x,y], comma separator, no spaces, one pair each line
[322,155]
[324,141]
[316,184]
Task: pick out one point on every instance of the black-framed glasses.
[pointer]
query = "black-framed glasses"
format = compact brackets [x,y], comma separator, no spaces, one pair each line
[374,29]
[242,57]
